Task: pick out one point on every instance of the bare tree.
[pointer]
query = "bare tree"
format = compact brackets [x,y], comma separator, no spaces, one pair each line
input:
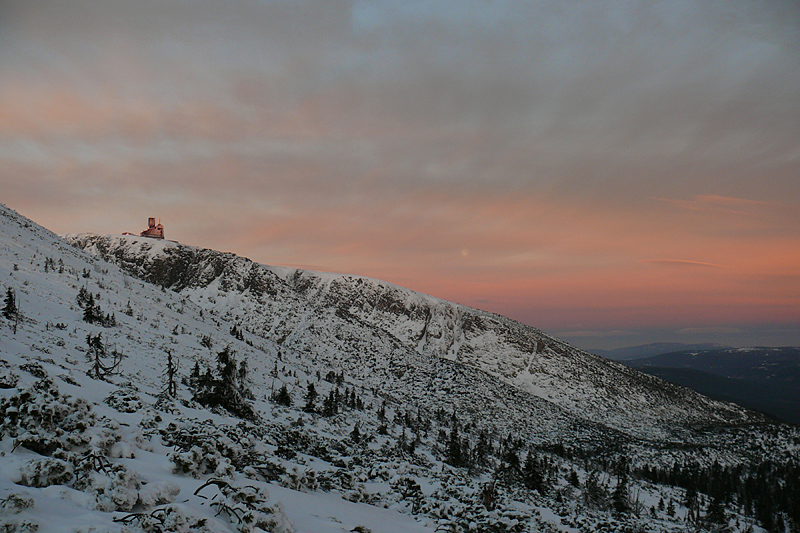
[170,373]
[96,355]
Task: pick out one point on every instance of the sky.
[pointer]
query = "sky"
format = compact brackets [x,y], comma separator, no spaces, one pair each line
[612,172]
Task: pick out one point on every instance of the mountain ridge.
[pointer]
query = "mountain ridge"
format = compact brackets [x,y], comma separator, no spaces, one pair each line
[641,351]
[364,314]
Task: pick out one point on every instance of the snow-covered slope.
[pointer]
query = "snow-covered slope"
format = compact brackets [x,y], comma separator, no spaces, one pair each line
[380,333]
[430,416]
[56,420]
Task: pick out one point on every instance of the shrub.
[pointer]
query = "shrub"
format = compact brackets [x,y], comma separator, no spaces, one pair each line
[45,472]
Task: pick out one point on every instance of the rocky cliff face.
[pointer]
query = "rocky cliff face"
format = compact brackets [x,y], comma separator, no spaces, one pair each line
[417,346]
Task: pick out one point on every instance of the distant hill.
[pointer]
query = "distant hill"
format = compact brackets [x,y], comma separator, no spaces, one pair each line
[765,379]
[649,350]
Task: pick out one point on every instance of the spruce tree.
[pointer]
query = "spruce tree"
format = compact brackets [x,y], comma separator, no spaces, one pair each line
[225,389]
[10,308]
[715,513]
[355,435]
[311,397]
[573,479]
[620,499]
[243,388]
[330,405]
[482,449]
[194,377]
[283,397]
[532,474]
[382,412]
[594,491]
[402,441]
[454,456]
[226,369]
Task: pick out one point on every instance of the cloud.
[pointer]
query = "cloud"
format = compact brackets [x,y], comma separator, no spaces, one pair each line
[678,263]
[713,203]
[565,146]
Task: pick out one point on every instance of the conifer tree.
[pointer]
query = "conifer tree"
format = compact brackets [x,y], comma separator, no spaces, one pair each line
[10,308]
[194,377]
[225,389]
[715,514]
[573,479]
[92,313]
[620,499]
[283,397]
[355,435]
[454,456]
[226,368]
[482,449]
[692,503]
[206,381]
[382,412]
[532,473]
[330,405]
[594,491]
[243,382]
[671,507]
[402,441]
[310,397]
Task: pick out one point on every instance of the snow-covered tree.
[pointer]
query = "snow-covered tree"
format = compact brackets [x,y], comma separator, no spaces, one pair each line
[225,389]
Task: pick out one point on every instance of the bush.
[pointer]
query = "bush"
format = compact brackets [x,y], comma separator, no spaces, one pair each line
[16,503]
[8,379]
[124,400]
[202,448]
[45,472]
[246,507]
[43,421]
[169,519]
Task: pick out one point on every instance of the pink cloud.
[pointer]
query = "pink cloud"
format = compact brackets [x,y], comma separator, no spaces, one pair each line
[678,263]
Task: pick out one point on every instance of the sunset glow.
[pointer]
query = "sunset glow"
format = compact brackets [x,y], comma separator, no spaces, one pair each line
[611,174]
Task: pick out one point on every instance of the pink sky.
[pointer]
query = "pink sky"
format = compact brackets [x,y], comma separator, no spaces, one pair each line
[613,174]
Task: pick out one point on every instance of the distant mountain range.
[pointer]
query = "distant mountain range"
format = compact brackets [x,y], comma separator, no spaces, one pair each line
[650,350]
[764,379]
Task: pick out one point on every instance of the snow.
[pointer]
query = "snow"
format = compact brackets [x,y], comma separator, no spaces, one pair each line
[313,513]
[418,353]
